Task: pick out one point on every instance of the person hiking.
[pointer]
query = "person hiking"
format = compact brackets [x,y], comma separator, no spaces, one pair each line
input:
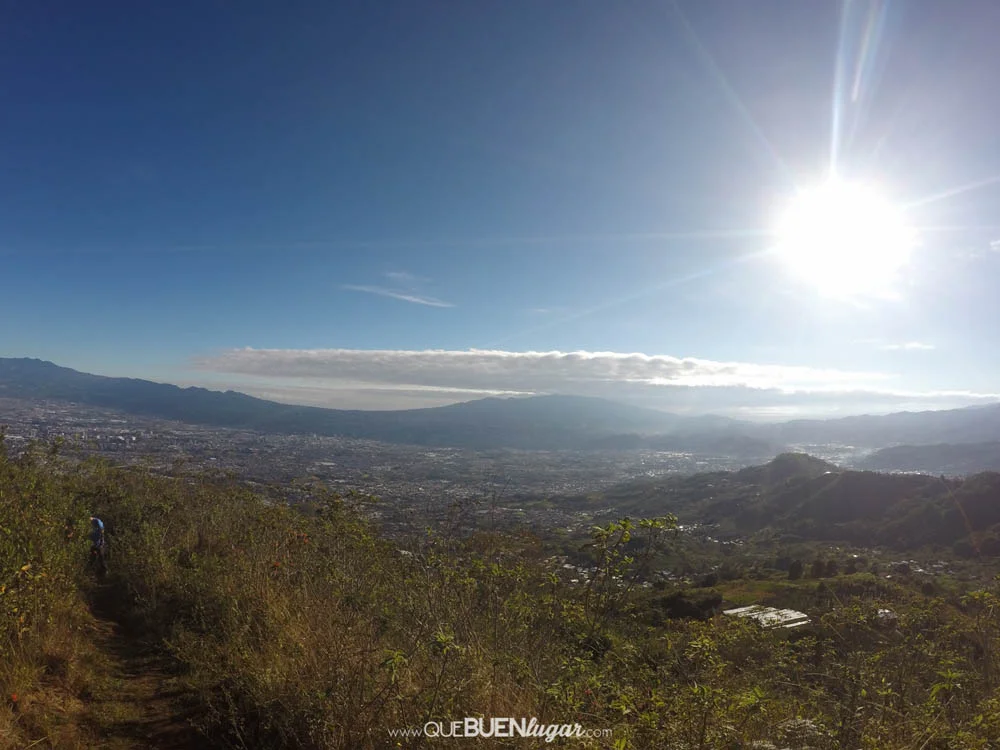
[98,545]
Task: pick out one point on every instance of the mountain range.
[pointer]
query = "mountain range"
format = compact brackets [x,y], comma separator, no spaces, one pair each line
[535,423]
[973,424]
[551,422]
[950,459]
[797,497]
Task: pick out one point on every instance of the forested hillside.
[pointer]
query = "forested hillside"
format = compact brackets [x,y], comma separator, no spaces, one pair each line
[284,627]
[802,496]
[961,458]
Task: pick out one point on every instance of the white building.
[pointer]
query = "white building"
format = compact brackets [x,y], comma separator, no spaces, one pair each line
[769,617]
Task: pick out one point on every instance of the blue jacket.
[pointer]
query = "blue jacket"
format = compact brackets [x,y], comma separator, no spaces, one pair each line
[97,532]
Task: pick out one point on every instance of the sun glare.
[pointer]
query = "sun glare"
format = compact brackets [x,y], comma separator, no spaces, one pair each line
[845,238]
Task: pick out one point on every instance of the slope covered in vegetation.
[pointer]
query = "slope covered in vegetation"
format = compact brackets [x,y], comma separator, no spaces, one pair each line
[945,458]
[799,495]
[303,628]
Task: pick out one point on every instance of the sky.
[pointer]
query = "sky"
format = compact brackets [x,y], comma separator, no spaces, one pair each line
[402,204]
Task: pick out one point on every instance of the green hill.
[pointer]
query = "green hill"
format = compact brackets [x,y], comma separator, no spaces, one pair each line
[784,467]
[229,620]
[945,458]
[810,498]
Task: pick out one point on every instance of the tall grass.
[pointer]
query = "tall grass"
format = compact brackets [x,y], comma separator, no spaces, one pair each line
[45,649]
[303,628]
[308,630]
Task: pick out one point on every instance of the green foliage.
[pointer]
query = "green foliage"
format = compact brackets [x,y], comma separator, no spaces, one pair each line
[620,565]
[43,551]
[795,570]
[798,496]
[310,630]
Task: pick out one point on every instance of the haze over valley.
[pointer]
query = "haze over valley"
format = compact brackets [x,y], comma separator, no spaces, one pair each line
[420,463]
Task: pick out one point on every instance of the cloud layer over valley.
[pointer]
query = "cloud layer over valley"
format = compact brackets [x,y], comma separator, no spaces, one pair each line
[388,379]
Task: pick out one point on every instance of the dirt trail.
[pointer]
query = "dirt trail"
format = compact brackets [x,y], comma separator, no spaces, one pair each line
[142,705]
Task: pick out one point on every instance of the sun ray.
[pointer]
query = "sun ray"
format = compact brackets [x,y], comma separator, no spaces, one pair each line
[955,228]
[952,192]
[644,292]
[729,92]
[866,70]
[860,42]
[839,73]
[242,248]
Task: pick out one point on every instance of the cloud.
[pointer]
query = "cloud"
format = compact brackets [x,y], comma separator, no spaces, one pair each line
[524,371]
[397,294]
[909,346]
[547,310]
[405,287]
[355,378]
[979,252]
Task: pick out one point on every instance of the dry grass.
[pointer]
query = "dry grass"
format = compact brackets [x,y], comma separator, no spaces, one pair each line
[289,630]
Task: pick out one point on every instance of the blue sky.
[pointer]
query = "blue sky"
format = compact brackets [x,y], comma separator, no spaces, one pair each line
[216,192]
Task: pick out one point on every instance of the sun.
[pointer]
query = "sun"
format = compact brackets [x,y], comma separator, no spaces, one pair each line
[845,238]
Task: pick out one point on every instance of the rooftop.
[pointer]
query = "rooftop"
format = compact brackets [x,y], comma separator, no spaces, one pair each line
[770,617]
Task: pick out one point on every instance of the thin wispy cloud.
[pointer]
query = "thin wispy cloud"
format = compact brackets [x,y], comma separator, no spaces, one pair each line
[909,346]
[406,288]
[546,310]
[395,294]
[978,251]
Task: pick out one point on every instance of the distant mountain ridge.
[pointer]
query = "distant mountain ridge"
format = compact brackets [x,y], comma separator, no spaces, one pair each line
[555,422]
[539,423]
[973,424]
[961,458]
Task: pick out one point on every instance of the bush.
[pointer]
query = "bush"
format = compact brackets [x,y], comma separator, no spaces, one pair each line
[309,630]
[699,605]
[42,581]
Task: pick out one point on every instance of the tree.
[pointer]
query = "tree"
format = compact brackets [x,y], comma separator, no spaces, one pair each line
[616,571]
[795,569]
[708,580]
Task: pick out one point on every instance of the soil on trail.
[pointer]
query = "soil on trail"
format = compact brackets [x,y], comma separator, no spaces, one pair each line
[142,704]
